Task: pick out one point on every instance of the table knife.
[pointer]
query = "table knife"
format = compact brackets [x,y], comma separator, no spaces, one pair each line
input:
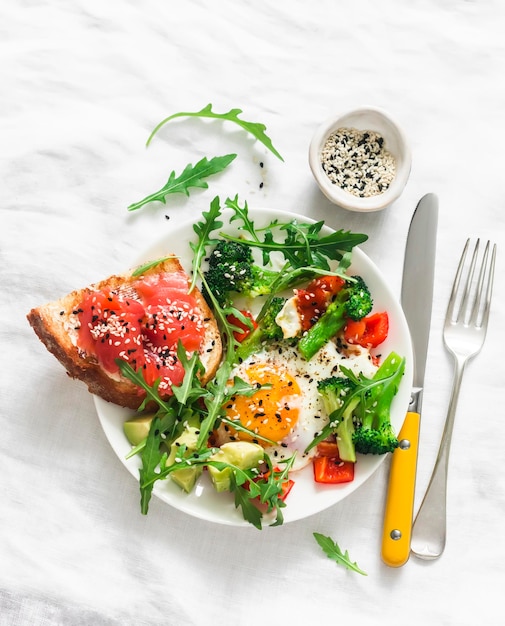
[416,300]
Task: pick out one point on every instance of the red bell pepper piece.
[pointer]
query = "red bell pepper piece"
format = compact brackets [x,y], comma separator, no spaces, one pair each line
[331,470]
[286,488]
[244,330]
[368,332]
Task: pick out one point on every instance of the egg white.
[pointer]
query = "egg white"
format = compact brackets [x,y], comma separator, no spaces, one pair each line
[312,416]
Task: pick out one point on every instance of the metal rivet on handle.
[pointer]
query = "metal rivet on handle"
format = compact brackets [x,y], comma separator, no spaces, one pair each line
[404,444]
[395,534]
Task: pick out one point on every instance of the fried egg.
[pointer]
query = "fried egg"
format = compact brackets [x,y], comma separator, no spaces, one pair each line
[288,410]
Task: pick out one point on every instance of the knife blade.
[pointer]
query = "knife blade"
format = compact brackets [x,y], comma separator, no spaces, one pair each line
[416,301]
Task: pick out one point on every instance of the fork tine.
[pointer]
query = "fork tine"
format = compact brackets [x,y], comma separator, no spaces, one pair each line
[477,302]
[464,308]
[476,311]
[451,308]
[486,279]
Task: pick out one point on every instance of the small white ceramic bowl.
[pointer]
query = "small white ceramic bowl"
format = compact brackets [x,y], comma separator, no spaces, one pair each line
[395,142]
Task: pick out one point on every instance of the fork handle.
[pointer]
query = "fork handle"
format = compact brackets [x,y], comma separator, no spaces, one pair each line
[429,529]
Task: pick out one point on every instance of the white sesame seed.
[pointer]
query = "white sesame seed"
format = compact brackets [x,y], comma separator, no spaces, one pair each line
[358,162]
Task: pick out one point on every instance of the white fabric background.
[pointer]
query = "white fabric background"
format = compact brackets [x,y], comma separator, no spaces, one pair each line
[82,85]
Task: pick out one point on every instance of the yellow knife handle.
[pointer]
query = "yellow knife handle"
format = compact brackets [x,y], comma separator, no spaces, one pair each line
[398,514]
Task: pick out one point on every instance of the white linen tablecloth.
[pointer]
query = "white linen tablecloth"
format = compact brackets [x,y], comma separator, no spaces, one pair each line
[82,86]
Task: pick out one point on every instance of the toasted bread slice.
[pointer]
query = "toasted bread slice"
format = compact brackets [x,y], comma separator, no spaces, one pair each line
[57,326]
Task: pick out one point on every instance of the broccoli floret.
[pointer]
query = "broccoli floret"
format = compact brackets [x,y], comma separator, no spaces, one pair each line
[334,391]
[267,329]
[371,441]
[356,299]
[353,301]
[374,433]
[232,270]
[263,282]
[359,409]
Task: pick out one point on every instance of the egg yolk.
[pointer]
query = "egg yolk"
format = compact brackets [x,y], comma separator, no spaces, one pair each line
[271,412]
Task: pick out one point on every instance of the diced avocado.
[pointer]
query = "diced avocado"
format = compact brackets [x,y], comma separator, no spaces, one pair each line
[188,437]
[187,477]
[242,454]
[136,429]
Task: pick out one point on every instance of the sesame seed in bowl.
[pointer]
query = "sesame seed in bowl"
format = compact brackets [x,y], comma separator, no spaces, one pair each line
[361,160]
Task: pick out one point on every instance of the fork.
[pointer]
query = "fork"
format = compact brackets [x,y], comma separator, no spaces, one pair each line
[464,333]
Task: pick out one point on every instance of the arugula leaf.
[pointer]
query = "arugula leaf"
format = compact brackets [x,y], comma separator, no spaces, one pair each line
[214,401]
[154,465]
[147,266]
[250,488]
[192,176]
[301,244]
[242,213]
[151,391]
[190,389]
[332,550]
[254,128]
[271,488]
[151,459]
[218,388]
[203,229]
[184,460]
[250,512]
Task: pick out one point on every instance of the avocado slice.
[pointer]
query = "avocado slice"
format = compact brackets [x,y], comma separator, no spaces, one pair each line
[136,429]
[187,477]
[242,454]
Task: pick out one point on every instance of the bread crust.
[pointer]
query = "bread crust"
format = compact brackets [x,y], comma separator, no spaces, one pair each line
[55,326]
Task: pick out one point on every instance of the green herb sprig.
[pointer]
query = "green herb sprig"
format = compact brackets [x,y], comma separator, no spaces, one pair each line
[254,128]
[142,269]
[333,551]
[204,229]
[192,176]
[301,244]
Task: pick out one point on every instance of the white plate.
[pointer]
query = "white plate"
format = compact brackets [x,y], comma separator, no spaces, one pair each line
[306,497]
